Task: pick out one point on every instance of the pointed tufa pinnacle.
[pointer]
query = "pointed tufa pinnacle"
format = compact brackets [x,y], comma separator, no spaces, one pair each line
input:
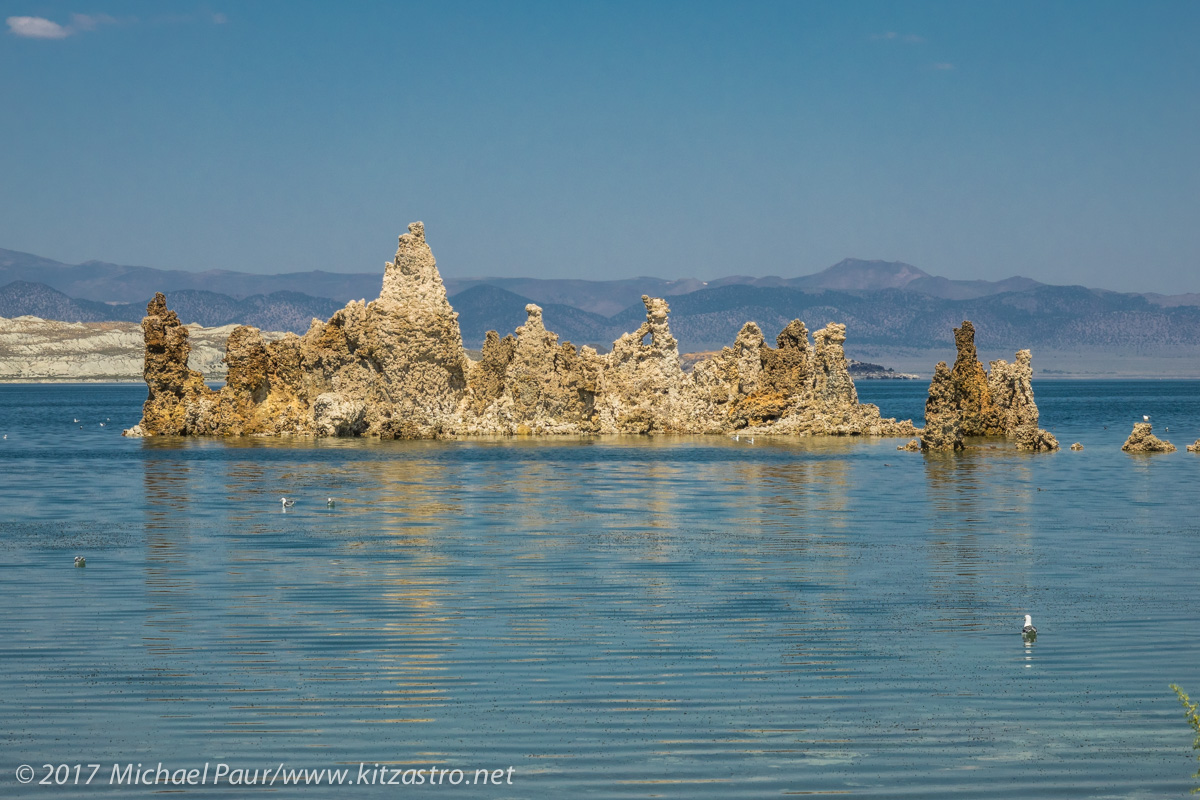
[411,280]
[533,319]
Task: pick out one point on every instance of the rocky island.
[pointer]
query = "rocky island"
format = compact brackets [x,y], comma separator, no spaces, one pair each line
[396,367]
[1142,440]
[966,400]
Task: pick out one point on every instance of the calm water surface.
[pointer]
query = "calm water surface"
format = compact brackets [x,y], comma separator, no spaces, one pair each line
[623,617]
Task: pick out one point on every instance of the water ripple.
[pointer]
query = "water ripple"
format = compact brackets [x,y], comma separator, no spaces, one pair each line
[675,617]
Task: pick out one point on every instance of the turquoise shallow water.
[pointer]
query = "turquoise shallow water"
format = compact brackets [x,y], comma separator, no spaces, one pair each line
[669,617]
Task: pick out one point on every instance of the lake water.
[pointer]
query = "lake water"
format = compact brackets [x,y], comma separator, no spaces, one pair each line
[684,617]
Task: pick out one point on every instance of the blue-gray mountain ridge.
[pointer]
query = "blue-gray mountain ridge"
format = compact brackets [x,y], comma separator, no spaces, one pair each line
[884,304]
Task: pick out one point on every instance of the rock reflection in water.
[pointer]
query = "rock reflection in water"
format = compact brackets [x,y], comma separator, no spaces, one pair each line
[979,504]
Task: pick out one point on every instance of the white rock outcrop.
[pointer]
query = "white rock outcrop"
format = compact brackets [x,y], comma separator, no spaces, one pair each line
[35,349]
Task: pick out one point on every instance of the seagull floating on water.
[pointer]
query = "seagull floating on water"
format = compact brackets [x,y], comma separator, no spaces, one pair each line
[283,501]
[80,561]
[329,502]
[1145,417]
[1029,632]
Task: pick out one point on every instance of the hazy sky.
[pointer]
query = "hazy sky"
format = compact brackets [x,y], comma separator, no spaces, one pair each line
[972,139]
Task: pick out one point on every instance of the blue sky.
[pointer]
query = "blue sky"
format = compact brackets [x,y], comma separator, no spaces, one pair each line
[598,140]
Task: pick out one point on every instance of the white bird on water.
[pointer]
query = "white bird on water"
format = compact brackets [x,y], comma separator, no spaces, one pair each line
[1145,417]
[329,502]
[285,503]
[1028,630]
[80,561]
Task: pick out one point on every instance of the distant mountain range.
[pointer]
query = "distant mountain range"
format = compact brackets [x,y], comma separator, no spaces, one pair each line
[278,311]
[1058,317]
[884,305]
[611,297]
[113,283]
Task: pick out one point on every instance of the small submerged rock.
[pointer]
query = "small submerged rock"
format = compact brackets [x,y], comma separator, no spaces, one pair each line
[1077,446]
[1031,437]
[1142,440]
[913,446]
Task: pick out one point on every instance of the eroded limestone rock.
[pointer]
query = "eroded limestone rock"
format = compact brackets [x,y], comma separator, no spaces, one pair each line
[1142,440]
[396,368]
[335,415]
[1077,446]
[413,346]
[1033,438]
[728,383]
[173,387]
[943,429]
[642,387]
[968,401]
[1011,390]
[1195,447]
[831,371]
[814,388]
[978,414]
